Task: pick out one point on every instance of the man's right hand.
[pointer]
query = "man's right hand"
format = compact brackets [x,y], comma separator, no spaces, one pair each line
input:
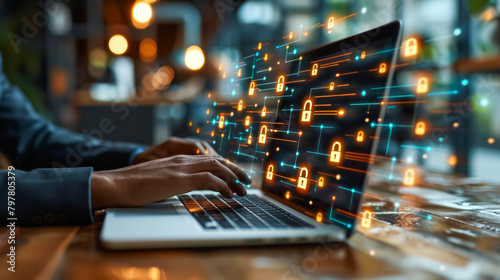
[163,178]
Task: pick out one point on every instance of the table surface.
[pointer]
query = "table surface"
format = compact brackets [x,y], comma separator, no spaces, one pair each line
[446,228]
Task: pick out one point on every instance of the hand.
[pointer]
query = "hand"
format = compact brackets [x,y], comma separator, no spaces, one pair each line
[175,146]
[160,179]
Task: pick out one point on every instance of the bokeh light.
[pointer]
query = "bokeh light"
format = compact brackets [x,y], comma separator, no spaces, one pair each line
[118,44]
[148,50]
[194,58]
[142,13]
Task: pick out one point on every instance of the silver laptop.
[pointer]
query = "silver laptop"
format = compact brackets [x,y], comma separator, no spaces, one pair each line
[313,144]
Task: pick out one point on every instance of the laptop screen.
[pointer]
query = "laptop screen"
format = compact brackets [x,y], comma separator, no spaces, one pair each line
[329,105]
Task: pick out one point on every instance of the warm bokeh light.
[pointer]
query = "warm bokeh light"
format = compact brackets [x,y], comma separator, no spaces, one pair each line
[194,58]
[118,44]
[491,140]
[147,50]
[141,14]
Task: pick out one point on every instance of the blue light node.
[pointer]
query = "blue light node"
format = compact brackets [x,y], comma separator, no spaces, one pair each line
[363,11]
[257,54]
[391,125]
[363,93]
[357,57]
[213,121]
[295,167]
[390,177]
[286,88]
[253,66]
[246,131]
[214,142]
[237,66]
[215,103]
[429,217]
[237,181]
[372,124]
[465,82]
[226,122]
[233,92]
[484,102]
[265,78]
[291,109]
[348,225]
[352,190]
[232,80]
[295,51]
[457,31]
[297,153]
[394,158]
[440,139]
[293,90]
[430,149]
[321,126]
[282,163]
[237,153]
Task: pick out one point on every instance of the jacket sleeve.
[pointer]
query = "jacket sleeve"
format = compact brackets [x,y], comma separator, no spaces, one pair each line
[43,198]
[30,141]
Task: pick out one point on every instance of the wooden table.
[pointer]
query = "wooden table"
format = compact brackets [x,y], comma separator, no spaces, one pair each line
[411,237]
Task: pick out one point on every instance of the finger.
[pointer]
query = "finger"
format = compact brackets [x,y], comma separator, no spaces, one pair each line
[242,176]
[209,164]
[209,148]
[200,149]
[229,177]
[208,181]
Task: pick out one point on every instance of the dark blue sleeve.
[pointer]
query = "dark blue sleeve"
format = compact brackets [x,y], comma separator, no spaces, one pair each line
[47,197]
[30,141]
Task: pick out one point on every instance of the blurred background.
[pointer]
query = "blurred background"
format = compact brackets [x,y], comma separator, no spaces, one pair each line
[150,65]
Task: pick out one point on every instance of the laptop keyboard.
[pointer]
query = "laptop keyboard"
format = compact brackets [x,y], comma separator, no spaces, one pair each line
[246,213]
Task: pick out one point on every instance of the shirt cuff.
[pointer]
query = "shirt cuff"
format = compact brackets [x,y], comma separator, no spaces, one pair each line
[134,154]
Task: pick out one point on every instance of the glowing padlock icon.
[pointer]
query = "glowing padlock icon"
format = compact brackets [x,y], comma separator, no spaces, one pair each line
[332,86]
[331,22]
[270,170]
[281,84]
[251,88]
[319,217]
[240,105]
[247,121]
[321,182]
[363,55]
[366,221]
[263,135]
[335,153]
[411,47]
[409,177]
[239,72]
[314,71]
[306,112]
[382,68]
[360,136]
[420,128]
[264,111]
[221,122]
[423,85]
[302,183]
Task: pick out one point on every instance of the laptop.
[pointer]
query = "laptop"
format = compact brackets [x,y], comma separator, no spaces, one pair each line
[314,144]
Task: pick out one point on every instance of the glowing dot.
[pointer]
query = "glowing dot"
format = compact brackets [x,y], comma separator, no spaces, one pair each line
[141,14]
[491,140]
[208,111]
[337,177]
[118,44]
[424,156]
[333,197]
[267,154]
[338,74]
[372,253]
[465,82]
[277,149]
[357,57]
[232,114]
[147,50]
[270,68]
[363,10]
[367,120]
[457,31]
[363,93]
[194,58]
[300,133]
[452,160]
[310,202]
[484,102]
[341,112]
[190,123]
[305,34]
[379,119]
[442,268]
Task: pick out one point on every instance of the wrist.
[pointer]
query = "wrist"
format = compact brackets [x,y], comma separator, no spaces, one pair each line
[102,191]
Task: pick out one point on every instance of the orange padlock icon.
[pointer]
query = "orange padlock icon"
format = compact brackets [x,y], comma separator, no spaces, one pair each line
[420,128]
[281,84]
[302,182]
[264,111]
[319,217]
[270,170]
[366,221]
[239,72]
[240,105]
[306,112]
[382,68]
[360,136]
[263,134]
[409,177]
[332,86]
[321,182]
[247,121]
[331,22]
[411,47]
[423,85]
[314,71]
[335,153]
[251,88]
[363,55]
[221,122]
[249,141]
